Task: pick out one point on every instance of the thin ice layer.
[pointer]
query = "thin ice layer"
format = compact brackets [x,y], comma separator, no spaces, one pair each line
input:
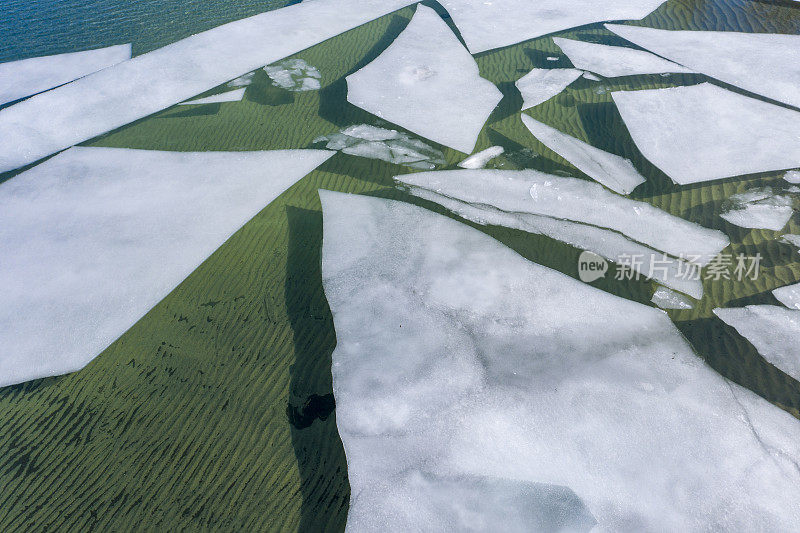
[230,96]
[483,157]
[95,237]
[613,61]
[537,193]
[763,63]
[666,298]
[458,359]
[788,295]
[19,79]
[613,171]
[148,83]
[428,83]
[703,132]
[759,208]
[773,330]
[541,84]
[493,24]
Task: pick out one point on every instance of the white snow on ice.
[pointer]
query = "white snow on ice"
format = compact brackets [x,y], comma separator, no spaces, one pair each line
[541,84]
[428,83]
[93,238]
[614,61]
[788,295]
[230,96]
[759,208]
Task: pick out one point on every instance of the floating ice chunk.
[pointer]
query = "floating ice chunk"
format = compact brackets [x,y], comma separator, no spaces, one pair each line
[577,200]
[792,239]
[480,159]
[773,330]
[387,145]
[242,81]
[459,359]
[788,295]
[230,96]
[704,132]
[95,237]
[759,208]
[666,298]
[614,61]
[19,79]
[763,63]
[793,176]
[119,95]
[294,75]
[591,77]
[541,84]
[487,25]
[426,82]
[613,171]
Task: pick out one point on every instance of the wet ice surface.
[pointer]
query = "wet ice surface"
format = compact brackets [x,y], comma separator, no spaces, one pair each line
[482,158]
[763,63]
[95,237]
[19,79]
[387,145]
[668,299]
[773,330]
[613,171]
[428,83]
[230,96]
[703,132]
[614,61]
[119,95]
[294,75]
[793,176]
[541,84]
[458,360]
[759,208]
[492,24]
[788,295]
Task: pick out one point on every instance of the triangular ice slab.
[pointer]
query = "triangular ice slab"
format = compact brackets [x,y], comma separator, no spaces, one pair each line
[763,63]
[19,79]
[614,61]
[230,96]
[789,295]
[95,237]
[541,84]
[457,359]
[428,83]
[703,132]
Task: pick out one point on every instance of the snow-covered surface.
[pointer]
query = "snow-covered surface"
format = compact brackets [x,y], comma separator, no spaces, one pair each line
[773,330]
[480,159]
[613,61]
[461,367]
[541,84]
[793,176]
[19,79]
[387,145]
[493,24]
[242,81]
[294,75]
[428,83]
[95,237]
[788,295]
[118,95]
[666,298]
[763,63]
[759,208]
[704,132]
[613,171]
[230,96]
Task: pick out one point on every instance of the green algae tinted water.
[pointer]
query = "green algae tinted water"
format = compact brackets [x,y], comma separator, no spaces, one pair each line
[215,410]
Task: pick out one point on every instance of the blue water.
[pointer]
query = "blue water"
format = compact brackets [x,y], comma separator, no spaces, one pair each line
[30,28]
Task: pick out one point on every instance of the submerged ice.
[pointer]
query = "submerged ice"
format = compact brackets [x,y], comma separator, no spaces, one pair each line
[759,208]
[294,75]
[613,61]
[387,145]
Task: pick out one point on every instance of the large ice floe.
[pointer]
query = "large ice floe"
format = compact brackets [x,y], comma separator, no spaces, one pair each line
[541,84]
[230,96]
[580,213]
[613,61]
[773,330]
[118,95]
[467,377]
[703,132]
[788,295]
[95,237]
[428,83]
[486,25]
[613,171]
[25,77]
[763,63]
[759,208]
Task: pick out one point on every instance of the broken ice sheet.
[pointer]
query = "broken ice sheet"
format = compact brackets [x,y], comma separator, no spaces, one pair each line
[230,96]
[458,358]
[242,81]
[773,330]
[760,209]
[93,238]
[614,61]
[703,132]
[793,176]
[613,171]
[294,75]
[428,83]
[541,84]
[666,298]
[794,240]
[387,145]
[788,295]
[482,158]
